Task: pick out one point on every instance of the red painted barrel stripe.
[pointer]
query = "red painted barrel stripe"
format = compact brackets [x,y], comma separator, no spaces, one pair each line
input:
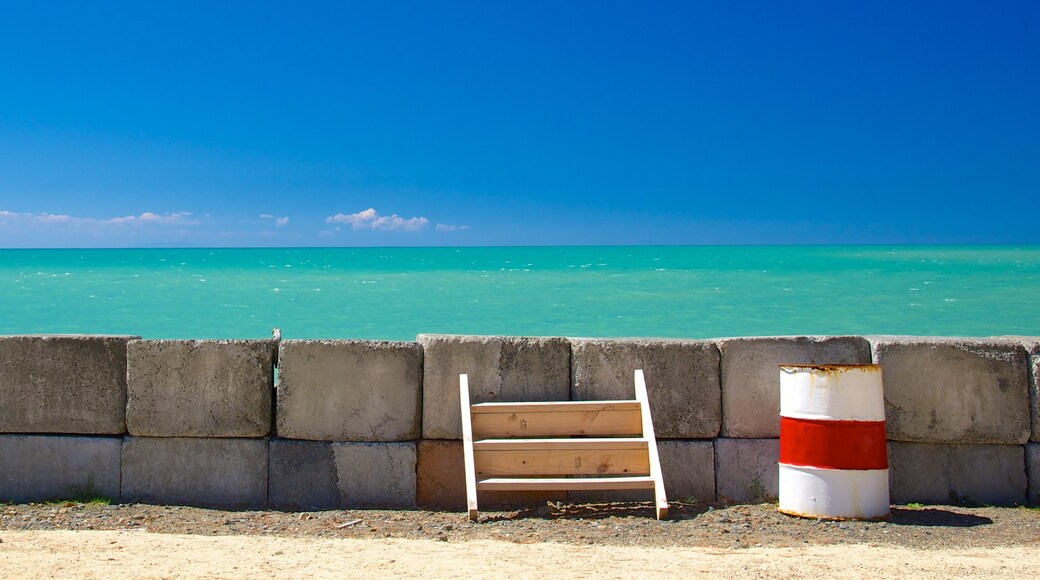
[833,444]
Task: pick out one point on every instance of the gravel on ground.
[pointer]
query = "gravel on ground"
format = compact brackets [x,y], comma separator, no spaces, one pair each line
[608,524]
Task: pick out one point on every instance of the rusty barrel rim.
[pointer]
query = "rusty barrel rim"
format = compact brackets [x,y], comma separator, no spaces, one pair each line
[831,367]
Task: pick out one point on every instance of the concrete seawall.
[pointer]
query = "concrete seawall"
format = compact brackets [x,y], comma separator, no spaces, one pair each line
[313,424]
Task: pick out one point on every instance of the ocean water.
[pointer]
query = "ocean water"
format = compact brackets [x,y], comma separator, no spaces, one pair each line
[396,293]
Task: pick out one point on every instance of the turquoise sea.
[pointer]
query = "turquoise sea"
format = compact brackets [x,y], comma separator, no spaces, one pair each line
[396,293]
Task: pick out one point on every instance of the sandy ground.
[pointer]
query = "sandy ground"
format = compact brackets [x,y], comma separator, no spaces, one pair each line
[111,554]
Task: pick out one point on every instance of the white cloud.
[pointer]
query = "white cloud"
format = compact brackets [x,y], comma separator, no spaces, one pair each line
[152,218]
[278,222]
[450,228]
[177,218]
[52,219]
[370,219]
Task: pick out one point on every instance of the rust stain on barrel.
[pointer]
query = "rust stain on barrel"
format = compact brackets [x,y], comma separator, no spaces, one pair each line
[832,368]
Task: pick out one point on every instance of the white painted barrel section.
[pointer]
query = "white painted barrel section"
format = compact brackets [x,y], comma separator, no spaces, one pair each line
[833,453]
[848,494]
[837,392]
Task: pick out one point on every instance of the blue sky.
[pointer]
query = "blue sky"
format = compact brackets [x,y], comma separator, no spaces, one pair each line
[492,123]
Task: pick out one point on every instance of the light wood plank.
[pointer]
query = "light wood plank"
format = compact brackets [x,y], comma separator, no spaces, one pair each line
[563,483]
[555,406]
[467,447]
[573,460]
[660,500]
[557,423]
[608,443]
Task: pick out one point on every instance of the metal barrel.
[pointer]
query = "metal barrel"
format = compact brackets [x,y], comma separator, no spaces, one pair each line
[833,455]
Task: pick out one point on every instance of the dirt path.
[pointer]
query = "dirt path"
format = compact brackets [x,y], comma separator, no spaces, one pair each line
[601,540]
[108,554]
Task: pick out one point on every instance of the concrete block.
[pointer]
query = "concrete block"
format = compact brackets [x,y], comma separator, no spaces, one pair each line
[954,391]
[376,474]
[323,475]
[682,381]
[63,384]
[195,471]
[751,376]
[441,481]
[930,473]
[689,469]
[1032,346]
[746,469]
[1034,395]
[349,390]
[303,475]
[1033,471]
[500,368]
[440,473]
[199,388]
[1030,343]
[45,467]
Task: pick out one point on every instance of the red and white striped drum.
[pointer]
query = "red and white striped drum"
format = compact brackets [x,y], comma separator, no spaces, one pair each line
[833,455]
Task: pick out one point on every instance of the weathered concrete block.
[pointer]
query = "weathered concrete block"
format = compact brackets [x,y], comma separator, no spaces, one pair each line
[747,470]
[929,473]
[44,467]
[441,481]
[682,380]
[499,369]
[322,475]
[199,388]
[440,473]
[349,390]
[1034,395]
[303,475]
[63,384]
[195,471]
[689,469]
[751,376]
[1033,469]
[376,474]
[1032,346]
[954,391]
[1030,343]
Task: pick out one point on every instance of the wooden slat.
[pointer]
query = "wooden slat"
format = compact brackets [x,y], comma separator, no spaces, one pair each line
[559,423]
[661,501]
[467,447]
[563,483]
[555,406]
[573,459]
[609,443]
